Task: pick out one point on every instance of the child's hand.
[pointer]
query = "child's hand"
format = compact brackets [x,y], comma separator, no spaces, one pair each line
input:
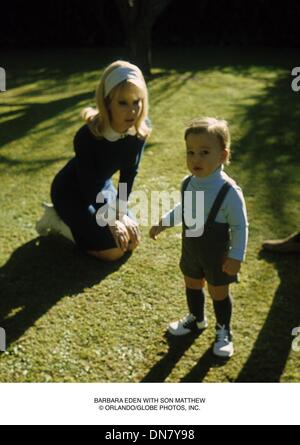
[155,231]
[231,266]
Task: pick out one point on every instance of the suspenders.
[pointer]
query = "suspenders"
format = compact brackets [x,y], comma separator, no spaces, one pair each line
[216,205]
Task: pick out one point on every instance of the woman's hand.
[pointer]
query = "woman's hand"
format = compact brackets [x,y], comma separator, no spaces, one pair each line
[133,231]
[120,234]
[231,266]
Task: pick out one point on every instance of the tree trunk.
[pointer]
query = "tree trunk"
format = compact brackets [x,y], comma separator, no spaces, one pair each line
[139,43]
[138,17]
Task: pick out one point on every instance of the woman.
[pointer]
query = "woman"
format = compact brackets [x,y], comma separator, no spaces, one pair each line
[112,140]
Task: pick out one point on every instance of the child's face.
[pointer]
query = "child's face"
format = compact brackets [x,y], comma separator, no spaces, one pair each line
[125,107]
[204,154]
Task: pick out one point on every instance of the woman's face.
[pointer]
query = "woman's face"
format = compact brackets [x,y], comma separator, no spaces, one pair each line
[125,107]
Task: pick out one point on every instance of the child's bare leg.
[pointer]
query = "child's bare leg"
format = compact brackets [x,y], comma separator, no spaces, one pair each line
[193,283]
[218,293]
[113,254]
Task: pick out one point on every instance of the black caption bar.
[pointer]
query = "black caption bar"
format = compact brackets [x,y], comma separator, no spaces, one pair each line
[137,434]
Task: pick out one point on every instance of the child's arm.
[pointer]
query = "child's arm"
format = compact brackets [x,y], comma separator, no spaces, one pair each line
[170,219]
[231,266]
[236,215]
[156,230]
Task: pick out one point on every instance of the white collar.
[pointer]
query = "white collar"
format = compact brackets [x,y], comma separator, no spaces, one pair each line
[112,135]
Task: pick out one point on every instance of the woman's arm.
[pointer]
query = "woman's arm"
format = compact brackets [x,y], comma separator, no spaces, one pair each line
[129,171]
[85,166]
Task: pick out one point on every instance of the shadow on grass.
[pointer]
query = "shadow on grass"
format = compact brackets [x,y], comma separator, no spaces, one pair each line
[28,166]
[57,68]
[206,362]
[58,72]
[271,350]
[24,67]
[35,278]
[268,154]
[35,113]
[170,82]
[177,347]
[269,157]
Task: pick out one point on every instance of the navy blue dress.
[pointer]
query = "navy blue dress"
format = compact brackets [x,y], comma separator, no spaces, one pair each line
[75,187]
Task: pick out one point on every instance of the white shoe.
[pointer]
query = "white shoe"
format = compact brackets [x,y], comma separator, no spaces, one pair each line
[43,225]
[50,223]
[223,346]
[187,325]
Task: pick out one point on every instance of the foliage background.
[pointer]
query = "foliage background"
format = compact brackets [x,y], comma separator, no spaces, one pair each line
[192,22]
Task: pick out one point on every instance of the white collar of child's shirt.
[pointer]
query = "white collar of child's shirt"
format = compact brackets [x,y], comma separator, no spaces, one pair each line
[112,135]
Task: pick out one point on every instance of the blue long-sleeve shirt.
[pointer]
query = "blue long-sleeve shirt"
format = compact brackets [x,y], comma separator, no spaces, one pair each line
[232,211]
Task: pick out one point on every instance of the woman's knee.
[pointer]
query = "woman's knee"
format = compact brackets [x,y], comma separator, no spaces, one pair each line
[113,254]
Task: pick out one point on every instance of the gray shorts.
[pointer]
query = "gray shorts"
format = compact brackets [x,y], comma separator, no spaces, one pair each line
[207,263]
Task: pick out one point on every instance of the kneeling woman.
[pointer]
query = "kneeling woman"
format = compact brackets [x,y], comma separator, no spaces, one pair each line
[112,140]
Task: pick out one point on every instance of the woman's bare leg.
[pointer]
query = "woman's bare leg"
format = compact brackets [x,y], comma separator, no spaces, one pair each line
[113,254]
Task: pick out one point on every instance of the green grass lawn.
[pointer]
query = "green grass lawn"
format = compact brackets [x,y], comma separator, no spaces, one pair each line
[71,318]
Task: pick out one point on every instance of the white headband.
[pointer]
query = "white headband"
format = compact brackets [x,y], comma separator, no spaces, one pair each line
[120,74]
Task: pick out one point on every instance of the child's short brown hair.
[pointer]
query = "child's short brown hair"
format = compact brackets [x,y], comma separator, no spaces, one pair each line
[211,125]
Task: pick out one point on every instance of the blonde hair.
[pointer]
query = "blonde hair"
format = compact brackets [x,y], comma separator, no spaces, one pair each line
[211,126]
[98,119]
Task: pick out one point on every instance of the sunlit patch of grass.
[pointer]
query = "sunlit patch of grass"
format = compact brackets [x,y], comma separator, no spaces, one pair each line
[70,318]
